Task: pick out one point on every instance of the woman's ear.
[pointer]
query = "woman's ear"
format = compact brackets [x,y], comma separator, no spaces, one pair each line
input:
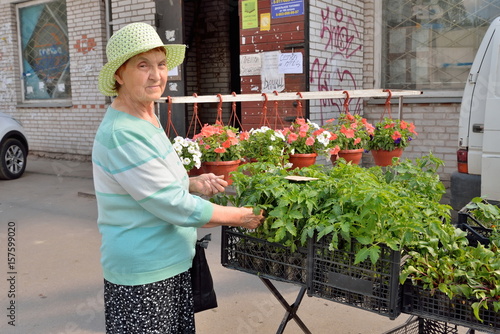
[118,78]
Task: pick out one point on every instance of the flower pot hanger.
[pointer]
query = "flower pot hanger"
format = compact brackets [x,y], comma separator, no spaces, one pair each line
[195,119]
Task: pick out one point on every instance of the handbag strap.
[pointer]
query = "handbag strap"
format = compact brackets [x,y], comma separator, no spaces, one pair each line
[203,242]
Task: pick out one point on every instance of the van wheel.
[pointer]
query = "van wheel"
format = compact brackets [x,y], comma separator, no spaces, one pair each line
[13,156]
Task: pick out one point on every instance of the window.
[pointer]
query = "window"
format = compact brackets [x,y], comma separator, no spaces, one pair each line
[431,44]
[44,50]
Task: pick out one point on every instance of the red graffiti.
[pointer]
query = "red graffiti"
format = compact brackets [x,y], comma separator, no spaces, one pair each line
[85,45]
[341,33]
[326,80]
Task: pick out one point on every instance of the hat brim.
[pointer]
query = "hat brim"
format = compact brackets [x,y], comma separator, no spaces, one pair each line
[106,81]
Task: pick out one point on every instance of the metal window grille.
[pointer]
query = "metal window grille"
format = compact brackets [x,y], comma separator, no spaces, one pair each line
[431,44]
[44,50]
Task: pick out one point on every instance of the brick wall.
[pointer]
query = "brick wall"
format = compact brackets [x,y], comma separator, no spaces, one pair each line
[59,130]
[9,86]
[128,11]
[336,35]
[208,63]
[437,127]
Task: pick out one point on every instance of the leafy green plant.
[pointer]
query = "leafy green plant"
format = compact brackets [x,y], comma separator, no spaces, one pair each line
[457,269]
[346,202]
[484,212]
[398,206]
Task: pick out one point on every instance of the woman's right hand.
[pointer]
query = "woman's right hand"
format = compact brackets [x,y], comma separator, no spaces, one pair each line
[250,220]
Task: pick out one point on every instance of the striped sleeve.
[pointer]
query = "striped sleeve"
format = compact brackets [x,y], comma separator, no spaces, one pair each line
[144,165]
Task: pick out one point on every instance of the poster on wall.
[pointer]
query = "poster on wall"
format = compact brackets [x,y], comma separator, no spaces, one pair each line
[250,64]
[272,79]
[291,63]
[249,14]
[285,8]
[265,21]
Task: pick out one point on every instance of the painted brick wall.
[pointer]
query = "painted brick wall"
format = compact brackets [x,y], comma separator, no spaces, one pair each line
[283,35]
[437,127]
[127,11]
[87,37]
[60,130]
[336,54]
[9,85]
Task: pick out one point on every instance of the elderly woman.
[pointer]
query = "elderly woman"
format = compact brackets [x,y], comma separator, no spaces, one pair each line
[147,216]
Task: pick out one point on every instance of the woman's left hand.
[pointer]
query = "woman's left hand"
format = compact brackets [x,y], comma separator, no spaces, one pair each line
[207,184]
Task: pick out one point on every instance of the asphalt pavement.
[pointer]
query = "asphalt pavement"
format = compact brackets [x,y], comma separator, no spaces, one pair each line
[52,280]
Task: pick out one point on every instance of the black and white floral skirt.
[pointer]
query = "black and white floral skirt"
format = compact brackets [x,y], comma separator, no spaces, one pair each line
[164,307]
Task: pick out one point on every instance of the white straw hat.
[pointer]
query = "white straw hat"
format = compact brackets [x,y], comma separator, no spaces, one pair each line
[129,41]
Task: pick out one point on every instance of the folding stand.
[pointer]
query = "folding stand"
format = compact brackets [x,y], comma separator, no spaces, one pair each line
[291,310]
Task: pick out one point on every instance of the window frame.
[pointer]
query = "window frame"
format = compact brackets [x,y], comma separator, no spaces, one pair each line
[428,96]
[52,102]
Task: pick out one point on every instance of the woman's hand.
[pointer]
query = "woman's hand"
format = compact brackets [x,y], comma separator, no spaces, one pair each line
[207,184]
[250,220]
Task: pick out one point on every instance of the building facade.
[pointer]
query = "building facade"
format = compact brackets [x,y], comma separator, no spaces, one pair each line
[51,52]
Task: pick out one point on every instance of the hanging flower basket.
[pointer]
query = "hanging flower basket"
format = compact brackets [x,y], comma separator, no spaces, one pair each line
[221,168]
[384,158]
[300,160]
[353,156]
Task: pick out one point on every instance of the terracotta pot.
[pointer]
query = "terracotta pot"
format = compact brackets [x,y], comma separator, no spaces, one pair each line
[221,168]
[300,160]
[195,171]
[353,156]
[384,158]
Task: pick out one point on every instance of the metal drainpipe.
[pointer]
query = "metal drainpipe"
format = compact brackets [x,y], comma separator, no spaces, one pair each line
[108,22]
[307,45]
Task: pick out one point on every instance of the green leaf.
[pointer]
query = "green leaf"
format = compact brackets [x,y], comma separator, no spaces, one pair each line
[365,240]
[362,255]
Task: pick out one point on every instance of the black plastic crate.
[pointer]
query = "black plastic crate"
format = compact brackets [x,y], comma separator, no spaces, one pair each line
[417,325]
[372,287]
[438,306]
[476,231]
[263,258]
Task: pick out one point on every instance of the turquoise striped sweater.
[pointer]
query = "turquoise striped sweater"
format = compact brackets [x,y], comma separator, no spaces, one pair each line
[146,216]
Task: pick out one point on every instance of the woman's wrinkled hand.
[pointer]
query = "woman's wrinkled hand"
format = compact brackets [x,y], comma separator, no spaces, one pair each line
[250,220]
[207,184]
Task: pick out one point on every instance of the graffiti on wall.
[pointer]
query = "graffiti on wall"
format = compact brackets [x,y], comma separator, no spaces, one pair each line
[341,37]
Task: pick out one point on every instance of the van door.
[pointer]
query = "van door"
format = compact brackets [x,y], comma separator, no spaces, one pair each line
[490,162]
[474,101]
[479,130]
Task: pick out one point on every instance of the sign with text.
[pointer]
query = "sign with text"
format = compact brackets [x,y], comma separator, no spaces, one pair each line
[285,8]
[250,64]
[249,14]
[271,79]
[291,63]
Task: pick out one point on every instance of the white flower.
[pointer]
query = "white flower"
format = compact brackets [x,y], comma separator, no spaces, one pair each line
[279,135]
[194,148]
[177,147]
[324,138]
[197,161]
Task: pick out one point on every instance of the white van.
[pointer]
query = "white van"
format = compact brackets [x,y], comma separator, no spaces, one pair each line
[478,155]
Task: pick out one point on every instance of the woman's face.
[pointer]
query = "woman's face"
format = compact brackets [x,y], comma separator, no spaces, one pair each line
[143,77]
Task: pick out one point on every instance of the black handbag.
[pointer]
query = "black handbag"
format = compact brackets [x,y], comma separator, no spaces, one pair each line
[201,278]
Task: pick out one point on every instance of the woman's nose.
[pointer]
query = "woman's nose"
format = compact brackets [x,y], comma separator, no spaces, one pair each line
[155,73]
